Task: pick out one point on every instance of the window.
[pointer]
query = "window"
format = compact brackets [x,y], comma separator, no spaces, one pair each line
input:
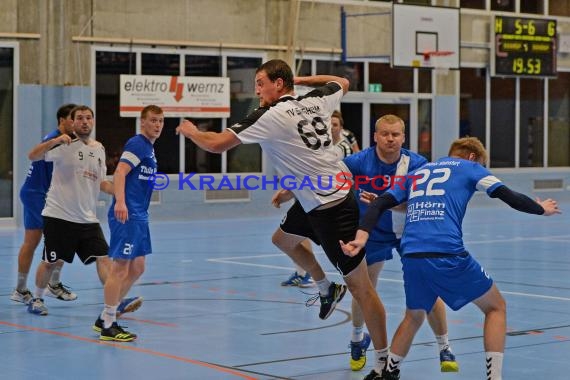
[535,6]
[472,106]
[559,7]
[503,123]
[198,160]
[503,5]
[244,158]
[531,122]
[167,147]
[6,131]
[425,130]
[112,130]
[475,4]
[353,71]
[559,120]
[392,79]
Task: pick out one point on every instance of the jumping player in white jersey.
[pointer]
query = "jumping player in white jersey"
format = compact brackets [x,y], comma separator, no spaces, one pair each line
[434,259]
[288,237]
[128,221]
[295,134]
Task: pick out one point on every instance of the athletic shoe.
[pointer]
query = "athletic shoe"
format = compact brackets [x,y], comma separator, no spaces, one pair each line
[98,325]
[61,292]
[293,280]
[128,305]
[117,334]
[36,306]
[358,353]
[373,375]
[24,296]
[390,375]
[328,302]
[306,281]
[447,361]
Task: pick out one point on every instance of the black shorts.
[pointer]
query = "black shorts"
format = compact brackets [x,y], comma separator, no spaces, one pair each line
[296,222]
[328,226]
[63,239]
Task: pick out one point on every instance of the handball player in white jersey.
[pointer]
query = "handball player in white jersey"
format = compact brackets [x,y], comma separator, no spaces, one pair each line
[70,214]
[295,134]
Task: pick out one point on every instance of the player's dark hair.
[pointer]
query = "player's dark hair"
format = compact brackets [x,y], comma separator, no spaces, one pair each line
[81,108]
[64,111]
[277,68]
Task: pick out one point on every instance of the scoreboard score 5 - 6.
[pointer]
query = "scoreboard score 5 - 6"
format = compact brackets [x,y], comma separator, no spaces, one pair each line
[523,47]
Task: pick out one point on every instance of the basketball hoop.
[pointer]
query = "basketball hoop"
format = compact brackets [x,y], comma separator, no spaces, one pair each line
[434,59]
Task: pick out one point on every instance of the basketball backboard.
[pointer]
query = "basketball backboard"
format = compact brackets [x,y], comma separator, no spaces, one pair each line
[420,33]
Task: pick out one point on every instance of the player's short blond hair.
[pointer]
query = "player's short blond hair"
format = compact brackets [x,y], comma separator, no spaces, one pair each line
[390,119]
[464,146]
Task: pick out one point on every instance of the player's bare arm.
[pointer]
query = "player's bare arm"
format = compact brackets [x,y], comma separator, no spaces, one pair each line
[38,152]
[119,178]
[209,141]
[320,80]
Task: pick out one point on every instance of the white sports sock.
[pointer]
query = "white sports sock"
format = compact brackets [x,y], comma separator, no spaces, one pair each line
[22,281]
[394,362]
[300,271]
[443,342]
[494,365]
[323,286]
[39,292]
[109,315]
[380,357]
[55,275]
[357,333]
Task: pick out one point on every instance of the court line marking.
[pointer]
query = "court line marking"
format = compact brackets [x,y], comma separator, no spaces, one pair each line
[231,260]
[131,348]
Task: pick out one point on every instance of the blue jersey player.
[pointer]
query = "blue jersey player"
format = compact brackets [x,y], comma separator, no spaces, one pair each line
[33,197]
[128,221]
[434,259]
[374,171]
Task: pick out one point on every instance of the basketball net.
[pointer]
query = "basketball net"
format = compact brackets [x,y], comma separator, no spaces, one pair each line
[434,59]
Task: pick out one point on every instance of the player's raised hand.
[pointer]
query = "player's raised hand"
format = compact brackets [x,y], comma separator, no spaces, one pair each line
[186,128]
[550,206]
[367,197]
[63,139]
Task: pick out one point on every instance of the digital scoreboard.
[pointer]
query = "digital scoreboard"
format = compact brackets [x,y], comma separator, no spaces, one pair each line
[523,47]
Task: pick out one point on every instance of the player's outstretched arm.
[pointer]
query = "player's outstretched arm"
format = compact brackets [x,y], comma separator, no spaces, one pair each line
[521,202]
[321,80]
[209,141]
[38,152]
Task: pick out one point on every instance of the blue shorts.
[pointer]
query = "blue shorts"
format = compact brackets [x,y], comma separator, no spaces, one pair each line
[129,240]
[457,280]
[33,205]
[378,251]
